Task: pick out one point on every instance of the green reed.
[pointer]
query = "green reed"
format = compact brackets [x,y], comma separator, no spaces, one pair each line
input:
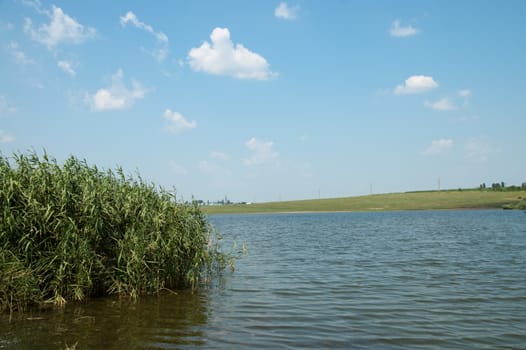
[70,231]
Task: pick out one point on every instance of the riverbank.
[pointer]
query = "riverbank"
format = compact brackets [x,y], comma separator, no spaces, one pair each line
[424,200]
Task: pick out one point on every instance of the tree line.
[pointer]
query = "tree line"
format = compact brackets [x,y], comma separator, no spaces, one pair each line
[501,186]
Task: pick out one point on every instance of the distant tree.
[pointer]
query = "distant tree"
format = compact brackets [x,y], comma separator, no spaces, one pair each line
[523,186]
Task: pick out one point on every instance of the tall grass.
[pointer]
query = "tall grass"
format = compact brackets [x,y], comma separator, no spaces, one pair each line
[72,231]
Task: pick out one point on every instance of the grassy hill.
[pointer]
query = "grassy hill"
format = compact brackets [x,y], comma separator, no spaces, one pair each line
[426,200]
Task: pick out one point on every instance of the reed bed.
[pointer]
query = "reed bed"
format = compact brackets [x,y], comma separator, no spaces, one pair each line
[71,231]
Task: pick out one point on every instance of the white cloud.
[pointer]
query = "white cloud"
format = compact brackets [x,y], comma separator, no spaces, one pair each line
[223,58]
[117,95]
[284,11]
[104,100]
[402,32]
[444,104]
[159,54]
[18,55]
[66,67]
[262,152]
[478,150]
[416,84]
[177,122]
[130,17]
[438,146]
[6,138]
[61,29]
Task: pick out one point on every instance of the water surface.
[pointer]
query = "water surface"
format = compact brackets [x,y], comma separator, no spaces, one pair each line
[397,280]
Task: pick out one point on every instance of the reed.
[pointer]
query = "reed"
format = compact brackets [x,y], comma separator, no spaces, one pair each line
[70,231]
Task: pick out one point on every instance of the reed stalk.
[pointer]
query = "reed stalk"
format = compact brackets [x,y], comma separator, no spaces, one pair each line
[71,231]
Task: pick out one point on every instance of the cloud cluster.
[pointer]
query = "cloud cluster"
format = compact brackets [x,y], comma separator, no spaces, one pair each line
[61,29]
[284,11]
[177,122]
[262,152]
[117,95]
[221,57]
[416,84]
[159,54]
[399,31]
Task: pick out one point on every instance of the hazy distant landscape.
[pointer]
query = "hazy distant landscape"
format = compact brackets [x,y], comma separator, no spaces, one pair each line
[422,200]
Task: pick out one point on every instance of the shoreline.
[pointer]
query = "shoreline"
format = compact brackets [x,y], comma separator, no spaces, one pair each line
[350,211]
[409,201]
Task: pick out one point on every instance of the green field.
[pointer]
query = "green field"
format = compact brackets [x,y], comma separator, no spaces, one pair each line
[430,200]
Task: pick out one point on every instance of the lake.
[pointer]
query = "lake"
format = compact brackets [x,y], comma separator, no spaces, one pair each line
[387,280]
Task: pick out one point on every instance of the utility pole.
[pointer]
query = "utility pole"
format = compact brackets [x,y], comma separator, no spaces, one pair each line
[439,183]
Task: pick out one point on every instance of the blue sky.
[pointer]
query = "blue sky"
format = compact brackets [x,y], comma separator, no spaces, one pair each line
[269,100]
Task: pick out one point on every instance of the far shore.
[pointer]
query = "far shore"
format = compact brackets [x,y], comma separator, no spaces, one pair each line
[423,200]
[355,211]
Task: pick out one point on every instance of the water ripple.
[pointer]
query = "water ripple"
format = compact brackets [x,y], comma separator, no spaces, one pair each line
[384,280]
[420,280]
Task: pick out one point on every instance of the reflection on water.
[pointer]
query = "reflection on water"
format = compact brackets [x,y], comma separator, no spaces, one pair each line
[435,280]
[165,322]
